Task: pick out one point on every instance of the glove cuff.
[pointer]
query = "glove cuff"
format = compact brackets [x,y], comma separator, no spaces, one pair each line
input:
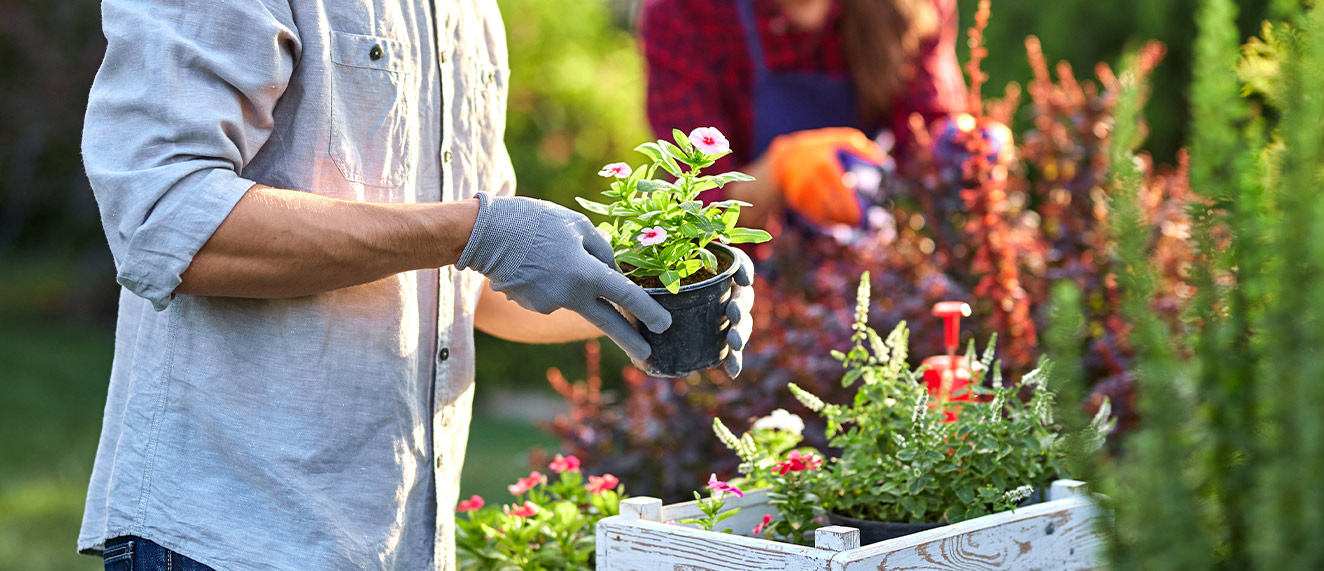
[502,235]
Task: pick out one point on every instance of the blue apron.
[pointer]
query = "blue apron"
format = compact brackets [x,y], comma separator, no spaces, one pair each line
[790,101]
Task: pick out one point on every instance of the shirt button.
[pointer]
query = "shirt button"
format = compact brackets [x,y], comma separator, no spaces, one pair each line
[443,354]
[443,57]
[375,53]
[446,156]
[438,462]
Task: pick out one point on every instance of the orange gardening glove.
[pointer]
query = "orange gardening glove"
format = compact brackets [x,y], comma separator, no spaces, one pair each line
[806,167]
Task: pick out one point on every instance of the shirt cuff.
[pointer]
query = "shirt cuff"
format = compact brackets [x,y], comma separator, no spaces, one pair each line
[165,245]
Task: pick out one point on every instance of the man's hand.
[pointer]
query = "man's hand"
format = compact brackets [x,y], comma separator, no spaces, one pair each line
[737,311]
[545,257]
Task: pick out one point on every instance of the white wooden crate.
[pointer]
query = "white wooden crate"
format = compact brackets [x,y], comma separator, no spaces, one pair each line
[1061,533]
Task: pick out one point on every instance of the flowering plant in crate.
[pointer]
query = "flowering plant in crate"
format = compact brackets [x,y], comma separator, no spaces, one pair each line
[659,228]
[550,525]
[908,458]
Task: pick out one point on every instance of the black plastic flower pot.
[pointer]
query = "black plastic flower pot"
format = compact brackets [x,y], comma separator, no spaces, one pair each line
[876,531]
[696,339]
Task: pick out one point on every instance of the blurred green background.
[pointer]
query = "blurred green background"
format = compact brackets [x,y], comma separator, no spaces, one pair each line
[576,103]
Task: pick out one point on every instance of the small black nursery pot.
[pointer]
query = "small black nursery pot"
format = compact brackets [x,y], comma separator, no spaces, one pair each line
[696,339]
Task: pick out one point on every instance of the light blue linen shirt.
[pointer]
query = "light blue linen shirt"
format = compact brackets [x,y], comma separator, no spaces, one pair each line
[320,432]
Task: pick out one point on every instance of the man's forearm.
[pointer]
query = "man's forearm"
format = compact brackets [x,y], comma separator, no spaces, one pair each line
[279,243]
[498,316]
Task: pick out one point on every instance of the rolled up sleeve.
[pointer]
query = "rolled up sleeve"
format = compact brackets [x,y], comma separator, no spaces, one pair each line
[183,100]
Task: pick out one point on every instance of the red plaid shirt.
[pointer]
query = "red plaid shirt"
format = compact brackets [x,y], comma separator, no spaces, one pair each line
[700,73]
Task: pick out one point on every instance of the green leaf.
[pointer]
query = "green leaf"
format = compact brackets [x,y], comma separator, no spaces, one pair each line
[652,151]
[654,185]
[689,230]
[730,203]
[682,140]
[638,261]
[709,260]
[748,236]
[688,267]
[655,152]
[595,207]
[730,217]
[692,206]
[724,178]
[674,151]
[671,280]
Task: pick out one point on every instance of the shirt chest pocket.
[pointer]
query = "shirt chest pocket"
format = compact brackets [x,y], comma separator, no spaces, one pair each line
[374,109]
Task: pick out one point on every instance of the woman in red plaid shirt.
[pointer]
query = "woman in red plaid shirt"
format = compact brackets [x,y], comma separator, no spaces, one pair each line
[793,83]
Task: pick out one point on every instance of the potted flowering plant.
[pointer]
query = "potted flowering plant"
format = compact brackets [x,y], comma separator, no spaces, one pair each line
[676,247]
[909,462]
[550,524]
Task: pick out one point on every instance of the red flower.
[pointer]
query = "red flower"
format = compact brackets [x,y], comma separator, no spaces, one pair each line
[470,504]
[529,509]
[603,483]
[564,464]
[758,529]
[526,484]
[796,462]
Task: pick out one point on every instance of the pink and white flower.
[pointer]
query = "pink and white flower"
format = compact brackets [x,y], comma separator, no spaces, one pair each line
[709,141]
[529,509]
[470,504]
[603,483]
[720,486]
[564,464]
[526,484]
[618,170]
[653,236]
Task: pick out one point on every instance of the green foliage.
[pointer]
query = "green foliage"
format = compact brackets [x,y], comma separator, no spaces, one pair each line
[712,508]
[791,482]
[1083,33]
[576,93]
[902,460]
[1237,480]
[551,526]
[659,228]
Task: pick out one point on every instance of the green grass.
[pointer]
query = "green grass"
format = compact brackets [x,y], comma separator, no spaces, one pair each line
[54,378]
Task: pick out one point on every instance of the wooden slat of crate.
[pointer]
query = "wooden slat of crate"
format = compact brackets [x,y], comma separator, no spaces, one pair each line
[1059,534]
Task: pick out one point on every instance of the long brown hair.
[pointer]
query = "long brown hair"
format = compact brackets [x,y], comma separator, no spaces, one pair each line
[881,40]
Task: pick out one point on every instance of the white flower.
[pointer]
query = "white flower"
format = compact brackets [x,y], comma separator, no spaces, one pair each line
[806,398]
[1018,494]
[782,420]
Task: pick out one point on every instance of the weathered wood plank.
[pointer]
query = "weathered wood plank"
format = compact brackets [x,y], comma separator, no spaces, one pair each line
[1060,534]
[1054,535]
[647,546]
[836,538]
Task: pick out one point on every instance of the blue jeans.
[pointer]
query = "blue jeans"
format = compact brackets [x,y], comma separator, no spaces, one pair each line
[132,553]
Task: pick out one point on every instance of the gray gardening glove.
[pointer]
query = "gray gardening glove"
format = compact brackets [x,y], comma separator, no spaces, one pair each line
[545,257]
[737,311]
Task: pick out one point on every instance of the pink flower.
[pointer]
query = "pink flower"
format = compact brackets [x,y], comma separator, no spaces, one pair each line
[654,235]
[720,486]
[564,464]
[526,484]
[709,141]
[618,170]
[529,509]
[603,483]
[470,504]
[758,529]
[796,462]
